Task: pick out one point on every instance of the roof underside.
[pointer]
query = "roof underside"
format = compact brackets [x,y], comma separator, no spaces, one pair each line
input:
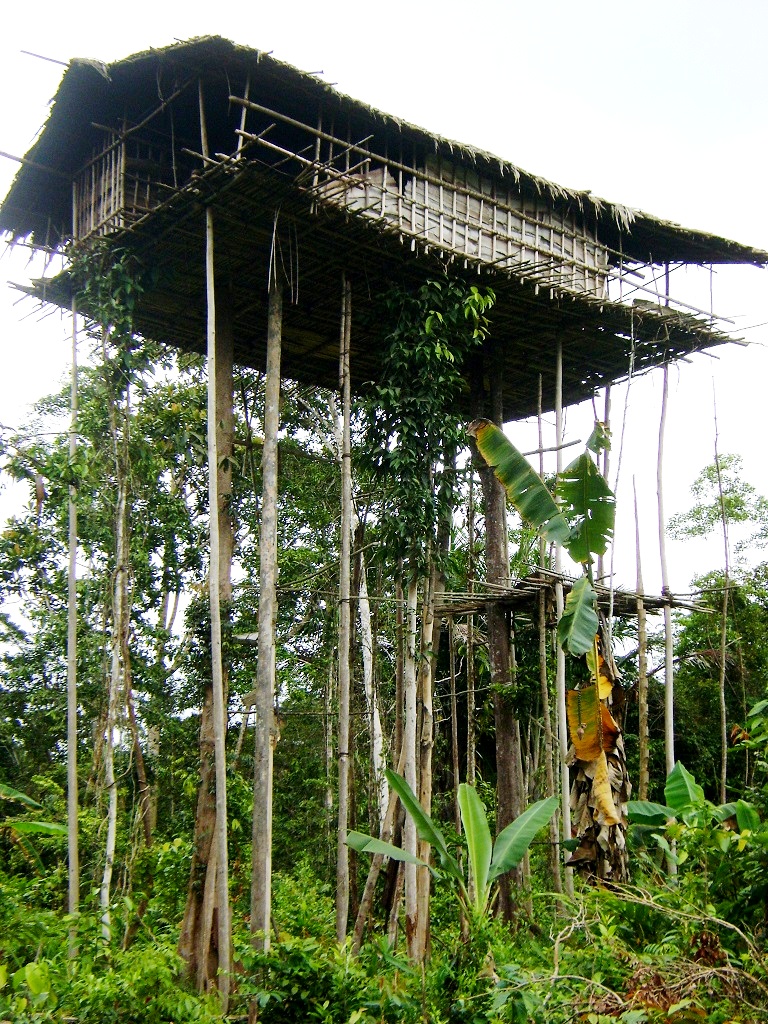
[256,206]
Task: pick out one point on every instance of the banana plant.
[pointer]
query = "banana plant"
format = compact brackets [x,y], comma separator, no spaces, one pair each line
[698,827]
[487,860]
[20,829]
[580,516]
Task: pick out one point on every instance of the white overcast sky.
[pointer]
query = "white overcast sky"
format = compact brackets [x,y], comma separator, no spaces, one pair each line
[661,106]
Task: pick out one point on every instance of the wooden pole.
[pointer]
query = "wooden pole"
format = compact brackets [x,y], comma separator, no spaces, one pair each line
[669,679]
[642,669]
[217,669]
[345,619]
[409,760]
[723,624]
[471,759]
[562,719]
[73,855]
[549,765]
[265,733]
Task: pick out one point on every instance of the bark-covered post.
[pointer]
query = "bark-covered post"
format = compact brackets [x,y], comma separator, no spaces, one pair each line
[549,764]
[219,560]
[669,670]
[73,855]
[642,670]
[265,735]
[509,790]
[562,717]
[345,619]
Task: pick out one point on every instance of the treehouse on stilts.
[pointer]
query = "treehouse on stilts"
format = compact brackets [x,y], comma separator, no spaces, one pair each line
[273,210]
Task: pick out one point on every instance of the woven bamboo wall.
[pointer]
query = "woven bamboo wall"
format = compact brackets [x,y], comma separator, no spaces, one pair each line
[124,180]
[456,209]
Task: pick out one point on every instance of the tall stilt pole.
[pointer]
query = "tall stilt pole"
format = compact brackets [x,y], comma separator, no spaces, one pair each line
[549,765]
[73,854]
[669,681]
[345,619]
[562,720]
[265,735]
[642,667]
[217,669]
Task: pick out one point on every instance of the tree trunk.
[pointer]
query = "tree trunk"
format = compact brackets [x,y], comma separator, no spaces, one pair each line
[669,692]
[409,746]
[200,936]
[73,854]
[345,617]
[117,645]
[425,739]
[509,796]
[642,672]
[723,629]
[378,762]
[471,736]
[387,828]
[265,733]
[562,720]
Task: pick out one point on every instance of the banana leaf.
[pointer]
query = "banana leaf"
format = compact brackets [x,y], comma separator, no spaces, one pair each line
[525,488]
[368,844]
[682,792]
[426,828]
[512,842]
[589,505]
[479,844]
[578,623]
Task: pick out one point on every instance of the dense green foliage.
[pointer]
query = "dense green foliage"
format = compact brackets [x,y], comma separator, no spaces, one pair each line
[683,948]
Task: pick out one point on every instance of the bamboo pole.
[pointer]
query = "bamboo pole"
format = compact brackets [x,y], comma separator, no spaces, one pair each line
[562,719]
[217,668]
[265,733]
[345,621]
[73,854]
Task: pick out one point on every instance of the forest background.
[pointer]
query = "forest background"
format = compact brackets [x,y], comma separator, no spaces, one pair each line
[691,152]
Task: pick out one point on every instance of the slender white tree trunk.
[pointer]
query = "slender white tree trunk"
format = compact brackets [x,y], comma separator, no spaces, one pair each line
[371,697]
[119,628]
[642,671]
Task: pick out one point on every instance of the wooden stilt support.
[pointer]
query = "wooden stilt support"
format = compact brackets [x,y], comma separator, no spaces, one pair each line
[265,734]
[219,708]
[73,855]
[562,720]
[345,619]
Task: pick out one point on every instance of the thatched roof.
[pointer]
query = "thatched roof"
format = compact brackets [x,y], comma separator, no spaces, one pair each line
[91,92]
[600,338]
